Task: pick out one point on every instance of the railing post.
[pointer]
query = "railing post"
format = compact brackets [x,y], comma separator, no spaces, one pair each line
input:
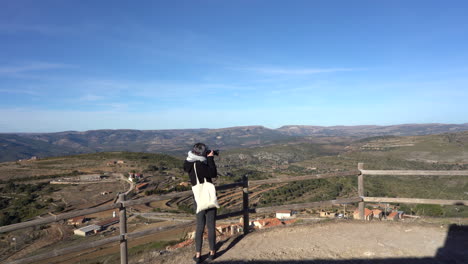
[361,191]
[123,230]
[245,204]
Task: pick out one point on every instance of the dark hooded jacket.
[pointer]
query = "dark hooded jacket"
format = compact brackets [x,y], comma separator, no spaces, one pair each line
[205,170]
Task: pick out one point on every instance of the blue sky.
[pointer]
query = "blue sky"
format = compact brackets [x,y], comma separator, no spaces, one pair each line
[83,65]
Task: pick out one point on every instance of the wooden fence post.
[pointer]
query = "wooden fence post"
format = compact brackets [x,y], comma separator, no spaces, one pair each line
[361,192]
[123,230]
[245,204]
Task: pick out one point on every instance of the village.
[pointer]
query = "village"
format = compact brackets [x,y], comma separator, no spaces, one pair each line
[380,212]
[90,226]
[143,182]
[139,183]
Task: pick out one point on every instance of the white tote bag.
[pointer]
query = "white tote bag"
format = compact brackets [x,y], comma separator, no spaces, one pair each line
[205,194]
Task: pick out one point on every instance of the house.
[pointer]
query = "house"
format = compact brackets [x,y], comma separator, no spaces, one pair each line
[230,229]
[77,220]
[120,162]
[268,222]
[227,229]
[132,178]
[368,214]
[377,214]
[87,230]
[283,214]
[108,222]
[393,216]
[241,221]
[327,214]
[259,224]
[135,177]
[141,186]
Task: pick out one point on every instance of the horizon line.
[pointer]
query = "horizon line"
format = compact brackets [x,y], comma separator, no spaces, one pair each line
[241,126]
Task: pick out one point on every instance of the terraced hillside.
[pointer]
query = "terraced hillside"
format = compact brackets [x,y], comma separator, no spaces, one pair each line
[27,193]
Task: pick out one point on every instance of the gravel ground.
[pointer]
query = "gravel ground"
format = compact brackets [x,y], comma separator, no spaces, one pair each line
[337,242]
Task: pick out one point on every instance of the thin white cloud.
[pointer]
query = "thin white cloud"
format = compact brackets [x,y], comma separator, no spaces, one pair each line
[91,97]
[51,29]
[152,89]
[19,91]
[32,67]
[296,71]
[41,29]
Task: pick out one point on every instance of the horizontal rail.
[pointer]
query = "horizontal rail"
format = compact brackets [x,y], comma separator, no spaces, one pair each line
[229,186]
[306,177]
[96,244]
[308,205]
[415,201]
[154,198]
[414,172]
[237,213]
[55,218]
[52,219]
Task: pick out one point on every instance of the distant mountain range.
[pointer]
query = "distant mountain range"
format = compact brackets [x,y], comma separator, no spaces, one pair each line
[24,145]
[371,131]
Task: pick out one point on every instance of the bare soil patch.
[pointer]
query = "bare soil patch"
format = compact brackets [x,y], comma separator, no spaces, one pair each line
[335,242]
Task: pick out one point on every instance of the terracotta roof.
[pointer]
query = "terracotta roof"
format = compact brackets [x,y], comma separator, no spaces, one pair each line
[366,211]
[283,212]
[393,214]
[142,185]
[76,219]
[271,222]
[108,221]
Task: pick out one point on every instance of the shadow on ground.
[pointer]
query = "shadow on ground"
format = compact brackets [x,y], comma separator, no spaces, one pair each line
[454,251]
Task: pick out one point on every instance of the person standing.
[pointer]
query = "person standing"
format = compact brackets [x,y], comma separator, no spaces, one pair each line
[203,162]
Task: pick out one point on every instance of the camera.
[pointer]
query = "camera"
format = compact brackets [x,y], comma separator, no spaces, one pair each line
[215,152]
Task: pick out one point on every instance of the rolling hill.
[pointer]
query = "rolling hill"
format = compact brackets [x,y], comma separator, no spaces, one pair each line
[177,141]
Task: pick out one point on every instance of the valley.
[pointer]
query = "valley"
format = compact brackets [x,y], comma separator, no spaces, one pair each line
[28,191]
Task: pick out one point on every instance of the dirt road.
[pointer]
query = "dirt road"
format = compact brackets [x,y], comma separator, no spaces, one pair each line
[337,242]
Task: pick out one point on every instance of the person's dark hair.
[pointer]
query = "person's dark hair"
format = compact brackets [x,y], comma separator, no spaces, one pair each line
[199,149]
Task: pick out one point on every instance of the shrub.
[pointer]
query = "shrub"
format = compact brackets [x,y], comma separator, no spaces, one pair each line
[429,210]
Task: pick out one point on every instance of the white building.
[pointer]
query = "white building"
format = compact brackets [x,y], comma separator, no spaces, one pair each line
[283,214]
[87,230]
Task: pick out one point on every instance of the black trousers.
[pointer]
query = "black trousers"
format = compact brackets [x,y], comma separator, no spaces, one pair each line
[208,218]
